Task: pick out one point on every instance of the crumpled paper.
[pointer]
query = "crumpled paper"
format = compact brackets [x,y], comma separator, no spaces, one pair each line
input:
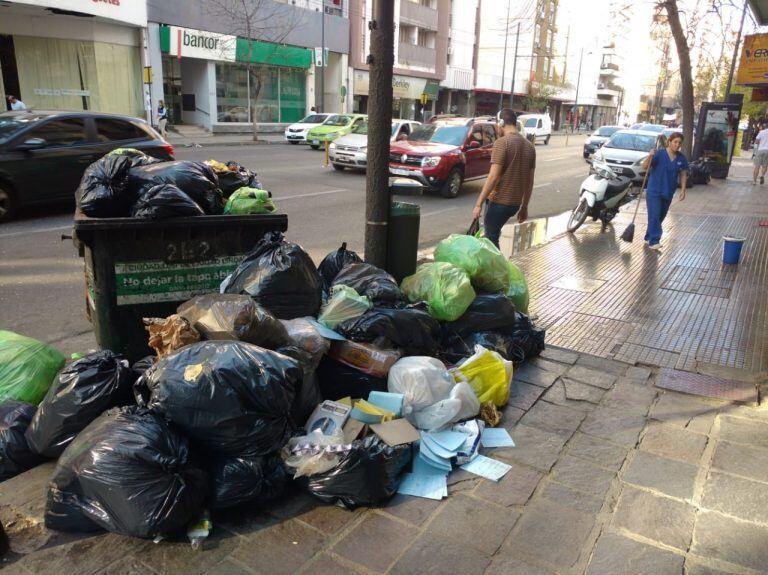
[166,335]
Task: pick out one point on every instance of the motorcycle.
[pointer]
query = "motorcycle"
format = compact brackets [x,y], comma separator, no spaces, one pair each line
[602,194]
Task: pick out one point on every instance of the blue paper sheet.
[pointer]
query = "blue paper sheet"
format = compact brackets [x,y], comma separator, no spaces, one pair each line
[421,467]
[431,445]
[451,440]
[487,467]
[496,437]
[428,486]
[435,461]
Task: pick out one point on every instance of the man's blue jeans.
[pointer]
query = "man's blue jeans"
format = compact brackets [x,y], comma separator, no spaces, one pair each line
[496,215]
[657,207]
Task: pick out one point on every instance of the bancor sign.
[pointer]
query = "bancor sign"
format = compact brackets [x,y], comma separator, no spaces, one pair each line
[402,86]
[189,43]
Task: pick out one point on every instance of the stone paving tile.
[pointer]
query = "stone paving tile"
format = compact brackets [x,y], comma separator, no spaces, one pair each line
[638,373]
[759,413]
[282,548]
[557,395]
[581,475]
[523,395]
[598,451]
[89,555]
[473,522]
[515,488]
[533,447]
[726,539]
[616,368]
[614,425]
[582,391]
[435,555]
[324,564]
[552,366]
[694,568]
[536,376]
[329,519]
[414,510]
[567,497]
[658,518]
[737,430]
[511,415]
[602,378]
[227,567]
[376,542]
[26,487]
[735,496]
[680,409]
[673,442]
[615,554]
[702,423]
[551,417]
[629,398]
[510,565]
[743,460]
[561,355]
[553,533]
[668,476]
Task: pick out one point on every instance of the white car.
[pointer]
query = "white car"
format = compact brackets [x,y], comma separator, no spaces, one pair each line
[297,133]
[626,151]
[351,151]
[536,127]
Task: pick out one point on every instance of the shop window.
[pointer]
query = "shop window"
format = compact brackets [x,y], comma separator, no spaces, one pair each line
[110,130]
[64,132]
[292,94]
[231,93]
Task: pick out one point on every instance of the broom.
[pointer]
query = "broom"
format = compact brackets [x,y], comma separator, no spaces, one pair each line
[629,233]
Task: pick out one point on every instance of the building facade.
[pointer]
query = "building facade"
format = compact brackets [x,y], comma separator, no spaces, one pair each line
[456,89]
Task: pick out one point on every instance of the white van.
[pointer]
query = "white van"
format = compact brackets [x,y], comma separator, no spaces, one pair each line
[536,127]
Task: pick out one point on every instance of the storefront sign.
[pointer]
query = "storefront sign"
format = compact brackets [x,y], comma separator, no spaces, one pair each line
[60,92]
[275,54]
[128,11]
[402,86]
[753,66]
[190,43]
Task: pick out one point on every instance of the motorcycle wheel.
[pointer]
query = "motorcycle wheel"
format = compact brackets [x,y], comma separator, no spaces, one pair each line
[578,215]
[607,216]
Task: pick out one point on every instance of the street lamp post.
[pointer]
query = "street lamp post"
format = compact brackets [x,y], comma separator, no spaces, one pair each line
[576,101]
[514,71]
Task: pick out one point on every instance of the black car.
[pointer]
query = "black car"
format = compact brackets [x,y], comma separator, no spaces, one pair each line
[43,154]
[598,138]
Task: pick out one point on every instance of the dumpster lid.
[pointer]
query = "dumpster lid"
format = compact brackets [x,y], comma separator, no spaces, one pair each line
[404,209]
[85,223]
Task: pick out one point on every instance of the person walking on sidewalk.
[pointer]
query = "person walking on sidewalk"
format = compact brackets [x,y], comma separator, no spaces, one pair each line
[510,182]
[665,165]
[15,104]
[760,158]
[162,118]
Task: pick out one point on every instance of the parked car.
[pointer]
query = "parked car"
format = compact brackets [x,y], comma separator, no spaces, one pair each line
[43,154]
[444,154]
[625,152]
[536,127]
[351,151]
[334,127]
[598,138]
[297,133]
[658,128]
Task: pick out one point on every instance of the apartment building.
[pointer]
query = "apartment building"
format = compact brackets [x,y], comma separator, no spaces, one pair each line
[456,89]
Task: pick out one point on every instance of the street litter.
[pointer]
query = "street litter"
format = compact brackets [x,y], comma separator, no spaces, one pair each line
[166,335]
[486,467]
[27,367]
[15,454]
[165,201]
[496,437]
[485,264]
[249,201]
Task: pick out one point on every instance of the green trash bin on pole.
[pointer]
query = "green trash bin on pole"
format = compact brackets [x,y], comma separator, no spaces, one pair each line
[402,239]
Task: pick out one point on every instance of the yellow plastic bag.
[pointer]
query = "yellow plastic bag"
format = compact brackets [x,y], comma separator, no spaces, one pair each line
[489,375]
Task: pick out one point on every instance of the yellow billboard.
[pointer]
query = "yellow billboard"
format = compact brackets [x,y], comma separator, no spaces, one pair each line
[753,66]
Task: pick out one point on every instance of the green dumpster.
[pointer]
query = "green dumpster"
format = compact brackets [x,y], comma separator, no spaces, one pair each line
[402,239]
[145,268]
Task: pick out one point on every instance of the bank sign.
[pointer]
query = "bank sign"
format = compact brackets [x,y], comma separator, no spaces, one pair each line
[402,86]
[189,43]
[753,66]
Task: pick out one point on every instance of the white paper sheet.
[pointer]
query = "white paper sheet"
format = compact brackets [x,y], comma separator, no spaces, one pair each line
[486,467]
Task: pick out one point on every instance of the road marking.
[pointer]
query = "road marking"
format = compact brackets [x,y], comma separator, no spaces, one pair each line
[438,212]
[557,158]
[541,185]
[36,231]
[340,190]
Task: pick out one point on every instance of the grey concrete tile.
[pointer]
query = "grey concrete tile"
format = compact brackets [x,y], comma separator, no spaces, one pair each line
[86,555]
[615,554]
[511,565]
[680,409]
[329,519]
[557,395]
[515,488]
[597,377]
[719,537]
[535,375]
[226,567]
[629,398]
[597,450]
[533,447]
[560,355]
[738,430]
[523,395]
[576,500]
[376,542]
[743,460]
[613,367]
[667,476]
[435,555]
[511,415]
[581,475]
[324,564]
[581,391]
[282,548]
[742,498]
[414,510]
[693,567]
[658,518]
[637,373]
[555,418]
[614,425]
[25,487]
[551,366]
[673,442]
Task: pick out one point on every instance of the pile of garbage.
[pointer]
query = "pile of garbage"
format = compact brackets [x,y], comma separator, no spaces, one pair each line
[128,183]
[333,377]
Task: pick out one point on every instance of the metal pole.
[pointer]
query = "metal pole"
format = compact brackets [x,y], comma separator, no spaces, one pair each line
[504,63]
[322,57]
[735,51]
[514,71]
[576,101]
[381,61]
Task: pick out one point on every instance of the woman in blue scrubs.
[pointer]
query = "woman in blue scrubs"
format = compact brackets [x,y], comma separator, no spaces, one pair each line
[665,165]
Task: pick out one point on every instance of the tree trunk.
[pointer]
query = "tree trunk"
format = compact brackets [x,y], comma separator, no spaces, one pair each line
[255,78]
[686,80]
[379,128]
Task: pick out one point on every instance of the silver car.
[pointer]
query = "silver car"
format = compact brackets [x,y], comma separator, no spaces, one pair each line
[626,151]
[351,151]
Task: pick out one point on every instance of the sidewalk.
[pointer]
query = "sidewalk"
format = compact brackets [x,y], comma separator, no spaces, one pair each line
[208,139]
[613,472]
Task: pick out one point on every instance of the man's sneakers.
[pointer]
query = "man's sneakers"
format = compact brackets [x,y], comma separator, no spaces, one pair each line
[655,247]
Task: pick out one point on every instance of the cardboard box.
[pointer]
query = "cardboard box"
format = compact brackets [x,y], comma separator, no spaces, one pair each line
[364,357]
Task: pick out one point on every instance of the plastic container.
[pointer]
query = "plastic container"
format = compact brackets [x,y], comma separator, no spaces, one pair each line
[732,249]
[144,268]
[402,239]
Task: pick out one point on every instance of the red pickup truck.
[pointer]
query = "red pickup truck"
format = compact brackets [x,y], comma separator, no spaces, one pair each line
[443,154]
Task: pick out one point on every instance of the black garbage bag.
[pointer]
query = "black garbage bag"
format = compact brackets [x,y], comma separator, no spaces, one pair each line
[334,262]
[234,316]
[527,339]
[128,472]
[163,202]
[339,380]
[367,475]
[104,191]
[308,394]
[488,312]
[699,172]
[229,397]
[238,480]
[81,392]
[143,365]
[411,328]
[137,157]
[368,280]
[196,179]
[281,276]
[459,347]
[233,179]
[15,455]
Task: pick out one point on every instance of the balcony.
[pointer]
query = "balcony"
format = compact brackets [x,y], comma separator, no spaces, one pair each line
[608,91]
[418,15]
[418,56]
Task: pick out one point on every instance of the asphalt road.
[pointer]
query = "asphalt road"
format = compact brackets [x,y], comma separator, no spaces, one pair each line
[41,277]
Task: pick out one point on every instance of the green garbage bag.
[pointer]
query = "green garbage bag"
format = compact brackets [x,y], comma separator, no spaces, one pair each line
[345,303]
[27,367]
[249,201]
[485,264]
[518,288]
[445,287]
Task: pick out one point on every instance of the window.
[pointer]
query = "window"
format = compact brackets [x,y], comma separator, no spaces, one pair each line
[477,134]
[64,132]
[489,135]
[108,130]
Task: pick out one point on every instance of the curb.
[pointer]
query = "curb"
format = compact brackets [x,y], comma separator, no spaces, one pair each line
[225,144]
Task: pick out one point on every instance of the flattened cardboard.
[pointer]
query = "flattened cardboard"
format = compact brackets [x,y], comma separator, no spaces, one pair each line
[352,430]
[396,432]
